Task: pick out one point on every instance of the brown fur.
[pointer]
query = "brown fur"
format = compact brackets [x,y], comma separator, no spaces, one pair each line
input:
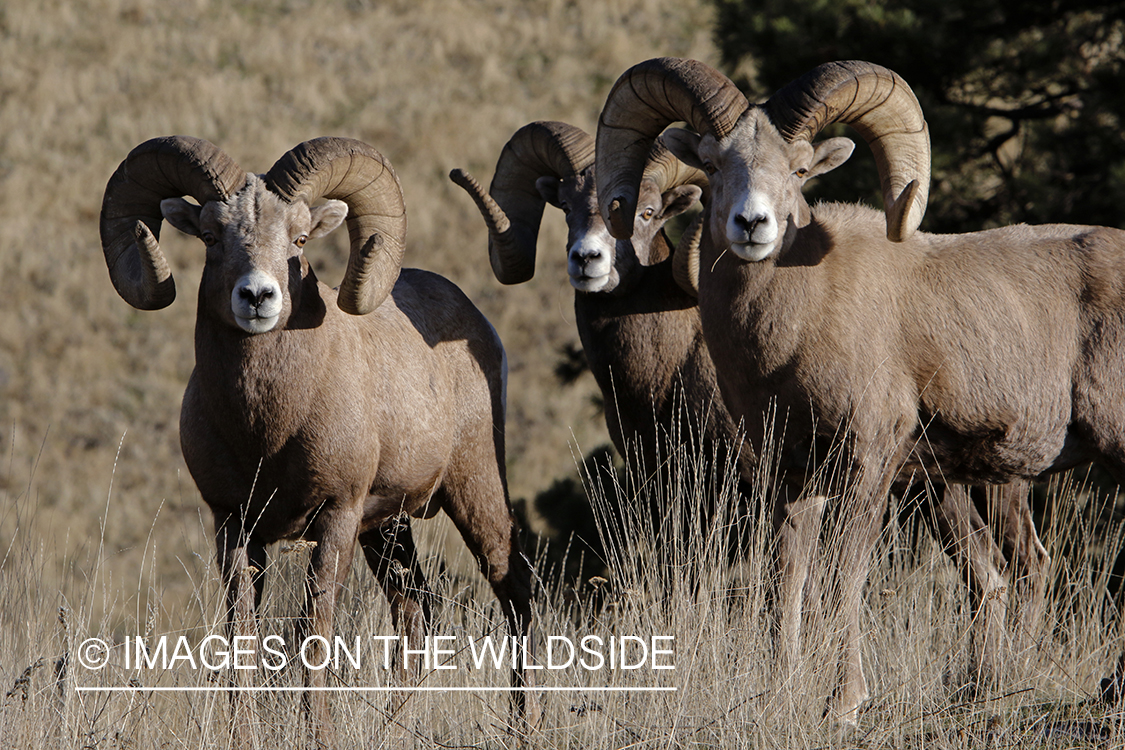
[1012,370]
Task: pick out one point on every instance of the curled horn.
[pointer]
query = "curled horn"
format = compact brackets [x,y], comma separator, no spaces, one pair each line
[685,260]
[881,107]
[160,168]
[513,208]
[668,172]
[646,99]
[663,168]
[354,172]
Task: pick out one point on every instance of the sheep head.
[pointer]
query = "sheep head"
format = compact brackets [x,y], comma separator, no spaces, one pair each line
[254,227]
[759,157]
[552,162]
[598,262]
[255,260]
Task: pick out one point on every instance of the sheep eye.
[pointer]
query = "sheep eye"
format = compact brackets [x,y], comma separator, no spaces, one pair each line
[208,239]
[300,241]
[648,214]
[803,172]
[709,168]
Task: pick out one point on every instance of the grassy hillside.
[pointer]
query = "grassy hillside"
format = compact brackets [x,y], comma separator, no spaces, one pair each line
[90,388]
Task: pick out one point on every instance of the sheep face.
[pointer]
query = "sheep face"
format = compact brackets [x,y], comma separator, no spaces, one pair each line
[756,181]
[596,262]
[255,258]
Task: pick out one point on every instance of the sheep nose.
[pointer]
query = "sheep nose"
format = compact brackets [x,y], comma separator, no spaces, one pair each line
[255,297]
[749,223]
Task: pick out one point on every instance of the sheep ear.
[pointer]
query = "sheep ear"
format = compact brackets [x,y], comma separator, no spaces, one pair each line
[684,144]
[829,154]
[679,199]
[548,189]
[327,217]
[181,214]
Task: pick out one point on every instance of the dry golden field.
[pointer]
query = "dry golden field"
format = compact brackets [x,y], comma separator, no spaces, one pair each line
[99,520]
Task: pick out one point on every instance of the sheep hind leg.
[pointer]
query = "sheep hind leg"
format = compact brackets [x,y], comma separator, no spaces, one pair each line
[969,542]
[1028,559]
[1113,460]
[393,559]
[478,507]
[242,564]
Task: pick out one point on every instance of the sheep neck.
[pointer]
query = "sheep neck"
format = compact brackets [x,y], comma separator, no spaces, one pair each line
[268,380]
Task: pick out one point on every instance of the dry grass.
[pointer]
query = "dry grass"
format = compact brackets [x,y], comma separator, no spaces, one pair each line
[727,693]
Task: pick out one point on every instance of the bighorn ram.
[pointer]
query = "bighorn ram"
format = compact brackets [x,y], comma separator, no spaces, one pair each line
[969,358]
[314,413]
[639,329]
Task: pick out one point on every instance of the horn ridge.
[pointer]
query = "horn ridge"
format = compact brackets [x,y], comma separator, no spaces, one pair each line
[882,108]
[646,99]
[352,171]
[129,224]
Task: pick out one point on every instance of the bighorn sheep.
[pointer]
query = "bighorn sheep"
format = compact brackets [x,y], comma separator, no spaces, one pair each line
[970,358]
[639,329]
[320,414]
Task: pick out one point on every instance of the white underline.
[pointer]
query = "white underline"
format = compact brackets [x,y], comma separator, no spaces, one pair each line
[291,689]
